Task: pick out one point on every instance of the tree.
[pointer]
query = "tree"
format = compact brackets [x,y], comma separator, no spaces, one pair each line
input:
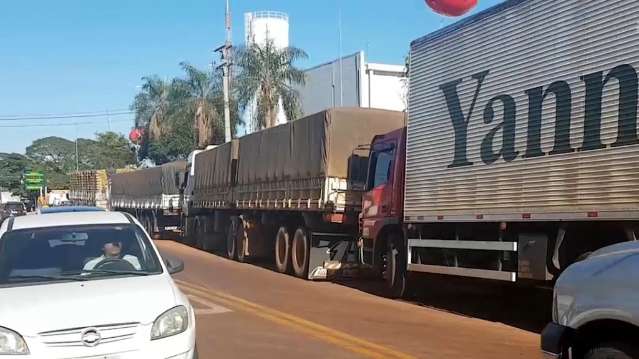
[151,106]
[12,166]
[177,145]
[201,90]
[266,77]
[56,156]
[110,150]
[181,115]
[56,153]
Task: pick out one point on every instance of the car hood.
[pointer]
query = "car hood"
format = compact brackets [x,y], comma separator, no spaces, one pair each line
[623,248]
[37,308]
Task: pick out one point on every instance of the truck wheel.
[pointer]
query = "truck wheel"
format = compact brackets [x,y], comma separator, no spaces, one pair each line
[283,250]
[231,243]
[612,350]
[300,253]
[394,267]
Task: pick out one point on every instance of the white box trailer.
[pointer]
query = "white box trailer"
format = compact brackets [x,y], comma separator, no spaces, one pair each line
[525,116]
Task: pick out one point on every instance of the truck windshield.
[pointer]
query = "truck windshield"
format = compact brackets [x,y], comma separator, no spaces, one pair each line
[37,256]
[381,167]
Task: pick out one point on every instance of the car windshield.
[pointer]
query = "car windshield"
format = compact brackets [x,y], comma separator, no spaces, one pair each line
[69,253]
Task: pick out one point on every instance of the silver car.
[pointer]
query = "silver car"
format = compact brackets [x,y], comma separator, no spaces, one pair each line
[596,307]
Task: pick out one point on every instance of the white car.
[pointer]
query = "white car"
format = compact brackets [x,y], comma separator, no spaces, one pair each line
[89,285]
[596,307]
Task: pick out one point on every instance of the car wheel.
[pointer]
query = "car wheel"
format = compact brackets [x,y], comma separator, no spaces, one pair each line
[613,350]
[283,250]
[300,253]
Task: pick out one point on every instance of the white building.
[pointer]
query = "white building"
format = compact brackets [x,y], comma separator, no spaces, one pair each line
[353,82]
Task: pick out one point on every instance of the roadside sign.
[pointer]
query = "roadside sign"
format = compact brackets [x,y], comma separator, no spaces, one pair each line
[34,181]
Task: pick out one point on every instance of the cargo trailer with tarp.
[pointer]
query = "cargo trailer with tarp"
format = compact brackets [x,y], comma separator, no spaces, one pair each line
[292,191]
[152,194]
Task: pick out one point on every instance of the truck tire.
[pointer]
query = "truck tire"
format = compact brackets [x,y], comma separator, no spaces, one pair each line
[613,350]
[300,253]
[283,250]
[231,242]
[394,267]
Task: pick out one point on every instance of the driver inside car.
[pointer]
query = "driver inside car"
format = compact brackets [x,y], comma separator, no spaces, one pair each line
[112,251]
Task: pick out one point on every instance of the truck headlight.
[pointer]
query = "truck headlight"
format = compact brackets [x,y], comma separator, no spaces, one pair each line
[11,343]
[172,322]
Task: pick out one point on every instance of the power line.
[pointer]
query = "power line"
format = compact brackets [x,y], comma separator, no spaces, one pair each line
[66,113]
[59,124]
[66,116]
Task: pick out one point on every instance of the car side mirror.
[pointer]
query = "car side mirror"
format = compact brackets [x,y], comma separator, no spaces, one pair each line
[174,265]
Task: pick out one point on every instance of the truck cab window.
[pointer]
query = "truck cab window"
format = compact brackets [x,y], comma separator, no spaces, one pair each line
[382,167]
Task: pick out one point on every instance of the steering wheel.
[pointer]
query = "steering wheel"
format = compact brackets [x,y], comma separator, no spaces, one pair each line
[115,264]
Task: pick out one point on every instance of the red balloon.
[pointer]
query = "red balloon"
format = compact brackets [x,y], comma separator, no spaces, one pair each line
[136,135]
[451,7]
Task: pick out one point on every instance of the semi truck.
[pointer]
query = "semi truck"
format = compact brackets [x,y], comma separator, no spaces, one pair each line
[152,195]
[291,192]
[520,156]
[521,153]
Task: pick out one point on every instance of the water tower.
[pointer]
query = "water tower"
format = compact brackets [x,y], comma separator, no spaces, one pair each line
[262,25]
[258,27]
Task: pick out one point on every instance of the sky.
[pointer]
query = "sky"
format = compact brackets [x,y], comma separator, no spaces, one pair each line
[79,56]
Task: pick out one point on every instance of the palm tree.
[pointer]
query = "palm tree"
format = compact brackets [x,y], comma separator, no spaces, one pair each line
[201,92]
[266,80]
[151,106]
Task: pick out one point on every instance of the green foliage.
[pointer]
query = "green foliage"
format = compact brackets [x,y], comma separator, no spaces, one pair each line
[56,156]
[12,165]
[182,115]
[267,75]
[176,145]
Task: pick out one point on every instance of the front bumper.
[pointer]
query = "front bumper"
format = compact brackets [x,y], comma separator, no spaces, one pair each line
[555,341]
[181,346]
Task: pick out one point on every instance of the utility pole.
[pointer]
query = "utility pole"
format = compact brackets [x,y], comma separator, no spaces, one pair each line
[225,51]
[341,72]
[77,156]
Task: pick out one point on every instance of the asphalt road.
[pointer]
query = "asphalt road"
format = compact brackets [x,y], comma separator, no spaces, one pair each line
[249,311]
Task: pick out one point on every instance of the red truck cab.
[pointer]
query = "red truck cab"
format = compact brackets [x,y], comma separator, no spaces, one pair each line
[383,244]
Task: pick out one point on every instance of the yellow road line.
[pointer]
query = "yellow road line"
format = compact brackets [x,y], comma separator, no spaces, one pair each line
[341,339]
